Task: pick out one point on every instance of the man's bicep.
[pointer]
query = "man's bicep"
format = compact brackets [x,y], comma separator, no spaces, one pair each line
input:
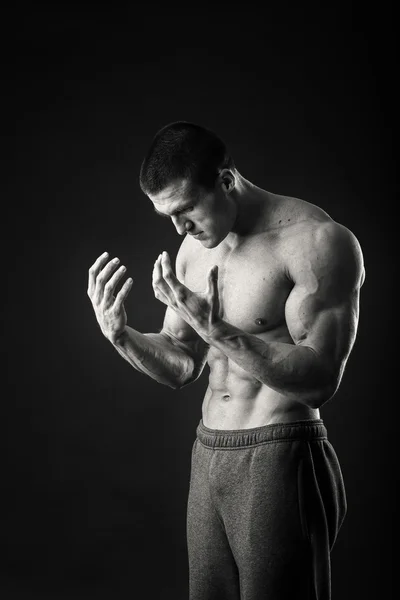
[329,328]
[322,308]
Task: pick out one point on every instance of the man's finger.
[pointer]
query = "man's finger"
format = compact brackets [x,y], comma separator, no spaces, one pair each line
[175,290]
[122,294]
[161,297]
[160,287]
[103,277]
[111,284]
[168,273]
[213,281]
[94,271]
[158,279]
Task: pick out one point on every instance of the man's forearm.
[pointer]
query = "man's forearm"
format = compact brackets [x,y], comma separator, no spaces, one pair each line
[292,370]
[155,355]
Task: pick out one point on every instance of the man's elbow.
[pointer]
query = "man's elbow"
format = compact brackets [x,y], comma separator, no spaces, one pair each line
[190,374]
[322,394]
[188,380]
[324,378]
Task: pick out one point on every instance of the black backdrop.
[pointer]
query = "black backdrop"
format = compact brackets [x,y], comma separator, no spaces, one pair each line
[96,457]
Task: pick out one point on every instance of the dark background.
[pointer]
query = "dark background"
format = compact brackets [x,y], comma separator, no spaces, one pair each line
[96,457]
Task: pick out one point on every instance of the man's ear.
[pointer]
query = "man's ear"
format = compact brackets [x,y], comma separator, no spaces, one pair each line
[227,180]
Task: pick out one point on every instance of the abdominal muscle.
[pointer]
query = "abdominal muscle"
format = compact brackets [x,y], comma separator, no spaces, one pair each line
[235,400]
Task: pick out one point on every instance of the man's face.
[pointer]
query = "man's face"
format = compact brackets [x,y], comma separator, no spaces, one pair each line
[206,215]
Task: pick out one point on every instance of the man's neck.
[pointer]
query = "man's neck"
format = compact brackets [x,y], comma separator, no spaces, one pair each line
[253,205]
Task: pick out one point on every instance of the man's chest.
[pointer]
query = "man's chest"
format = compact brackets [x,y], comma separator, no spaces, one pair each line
[252,286]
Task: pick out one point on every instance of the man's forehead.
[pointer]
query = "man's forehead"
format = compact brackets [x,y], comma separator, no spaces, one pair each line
[176,191]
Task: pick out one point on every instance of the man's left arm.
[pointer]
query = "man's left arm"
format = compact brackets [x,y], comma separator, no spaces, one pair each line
[321,315]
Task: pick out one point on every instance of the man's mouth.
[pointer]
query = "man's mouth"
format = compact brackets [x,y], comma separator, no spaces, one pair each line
[195,235]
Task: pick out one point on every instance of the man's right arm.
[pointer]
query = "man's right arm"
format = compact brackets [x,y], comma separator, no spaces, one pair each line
[174,357]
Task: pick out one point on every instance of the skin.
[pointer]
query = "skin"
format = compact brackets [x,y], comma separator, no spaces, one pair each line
[267,295]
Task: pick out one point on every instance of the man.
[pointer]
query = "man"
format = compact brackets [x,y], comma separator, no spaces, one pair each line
[266,292]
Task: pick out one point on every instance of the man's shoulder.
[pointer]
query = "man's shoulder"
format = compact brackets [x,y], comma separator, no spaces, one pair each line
[323,236]
[310,228]
[323,246]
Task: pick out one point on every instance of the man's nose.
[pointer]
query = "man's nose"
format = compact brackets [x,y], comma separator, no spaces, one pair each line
[181,226]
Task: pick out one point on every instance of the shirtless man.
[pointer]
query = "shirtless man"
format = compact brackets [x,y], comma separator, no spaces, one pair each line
[266,291]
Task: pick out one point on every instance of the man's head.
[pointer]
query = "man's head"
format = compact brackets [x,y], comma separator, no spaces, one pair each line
[188,174]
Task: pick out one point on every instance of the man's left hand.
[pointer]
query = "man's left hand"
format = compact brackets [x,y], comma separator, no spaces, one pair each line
[199,309]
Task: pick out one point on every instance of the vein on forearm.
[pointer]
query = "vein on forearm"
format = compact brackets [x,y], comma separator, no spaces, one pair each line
[154,354]
[287,368]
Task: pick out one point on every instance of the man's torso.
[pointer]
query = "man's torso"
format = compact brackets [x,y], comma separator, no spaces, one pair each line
[254,284]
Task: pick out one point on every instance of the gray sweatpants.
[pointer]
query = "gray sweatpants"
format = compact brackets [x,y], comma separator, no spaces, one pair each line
[264,508]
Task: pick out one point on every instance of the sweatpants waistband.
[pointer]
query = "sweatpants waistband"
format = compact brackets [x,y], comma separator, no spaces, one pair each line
[308,430]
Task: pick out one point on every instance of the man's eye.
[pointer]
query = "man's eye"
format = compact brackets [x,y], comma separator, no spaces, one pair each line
[185,210]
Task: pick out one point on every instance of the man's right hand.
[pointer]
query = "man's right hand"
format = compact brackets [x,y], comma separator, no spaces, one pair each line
[109,309]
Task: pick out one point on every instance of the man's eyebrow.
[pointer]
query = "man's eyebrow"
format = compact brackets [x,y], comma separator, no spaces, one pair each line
[161,214]
[175,212]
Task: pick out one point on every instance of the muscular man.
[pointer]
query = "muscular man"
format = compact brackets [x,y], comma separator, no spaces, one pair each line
[266,291]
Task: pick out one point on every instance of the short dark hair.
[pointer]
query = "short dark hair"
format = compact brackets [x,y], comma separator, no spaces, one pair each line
[183,150]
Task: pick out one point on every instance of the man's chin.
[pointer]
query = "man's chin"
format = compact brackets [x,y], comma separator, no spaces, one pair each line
[209,243]
[213,242]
